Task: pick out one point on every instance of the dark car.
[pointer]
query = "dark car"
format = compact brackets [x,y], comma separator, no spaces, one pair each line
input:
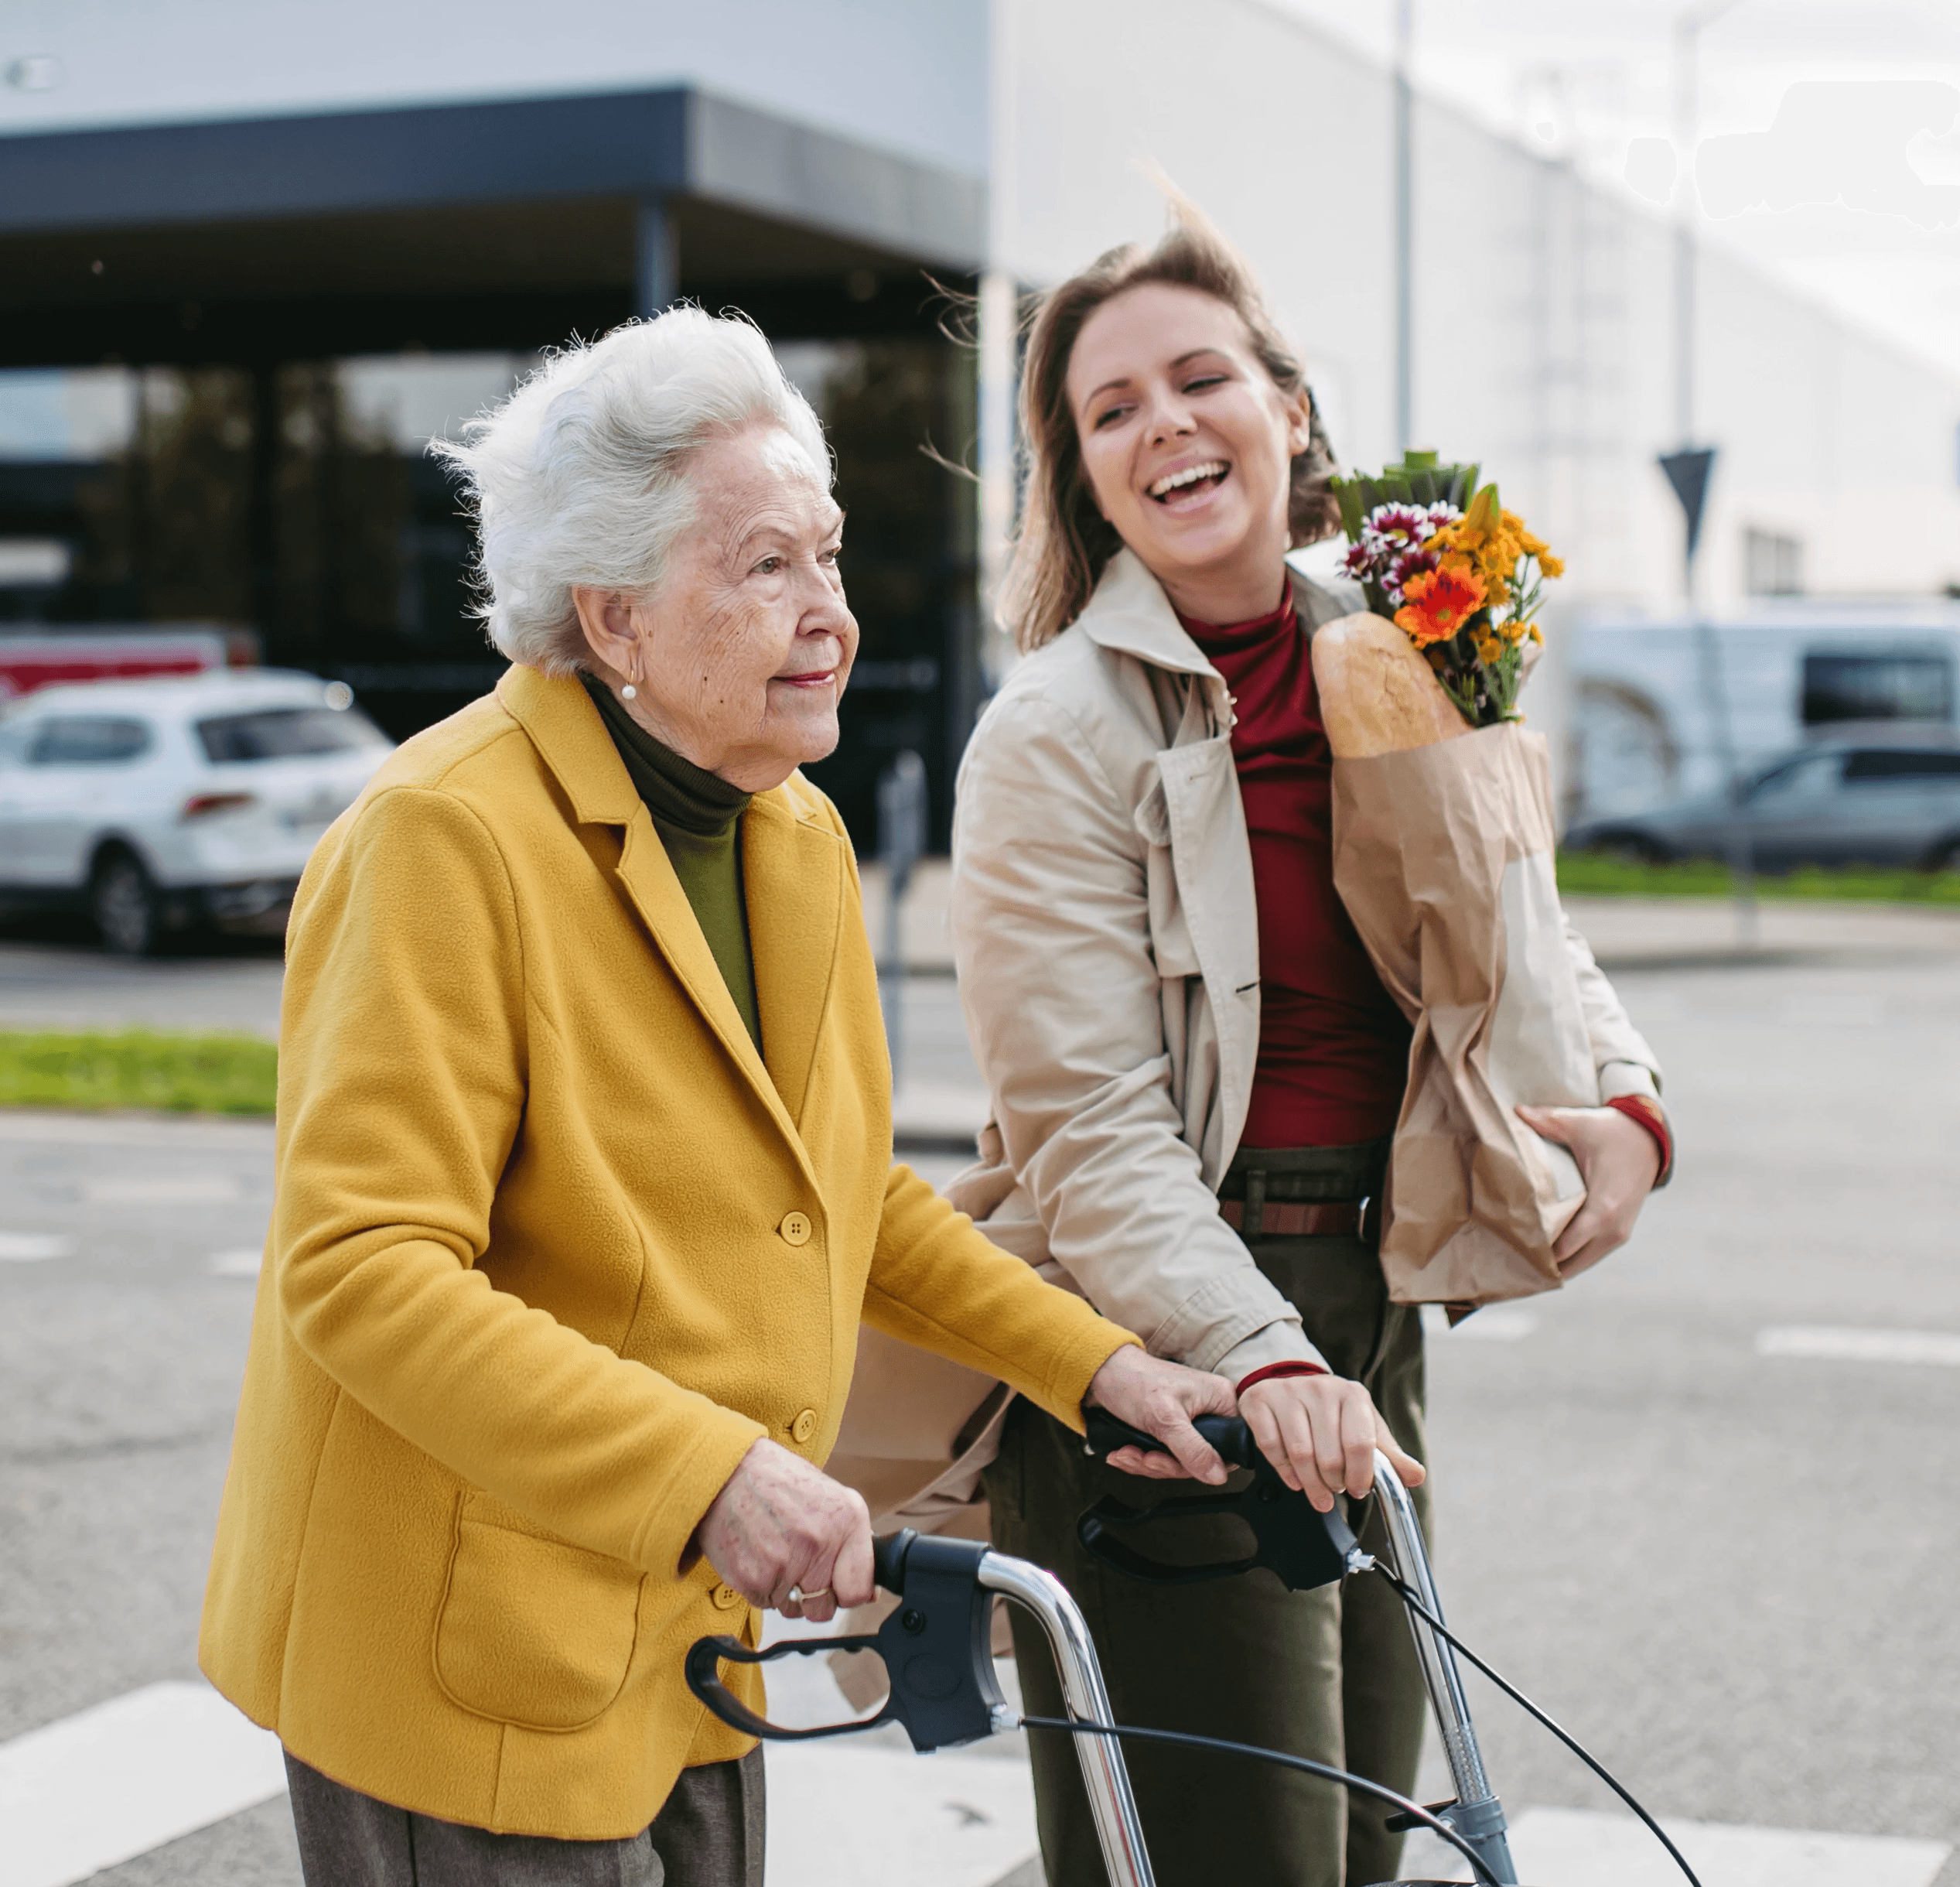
[1869,798]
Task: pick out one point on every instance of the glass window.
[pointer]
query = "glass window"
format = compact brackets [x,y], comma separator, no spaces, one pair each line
[87,740]
[287,733]
[1809,773]
[1899,764]
[1877,687]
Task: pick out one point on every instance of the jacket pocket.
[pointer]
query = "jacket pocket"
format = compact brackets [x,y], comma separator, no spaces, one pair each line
[534,1631]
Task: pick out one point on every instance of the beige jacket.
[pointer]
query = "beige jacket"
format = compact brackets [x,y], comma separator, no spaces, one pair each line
[1107,938]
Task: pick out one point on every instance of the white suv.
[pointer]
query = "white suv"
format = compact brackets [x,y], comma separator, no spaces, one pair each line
[158,804]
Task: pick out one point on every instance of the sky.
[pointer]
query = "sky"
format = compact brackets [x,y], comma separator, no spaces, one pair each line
[1829,150]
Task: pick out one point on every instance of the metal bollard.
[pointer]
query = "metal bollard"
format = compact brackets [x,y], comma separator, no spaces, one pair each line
[901,843]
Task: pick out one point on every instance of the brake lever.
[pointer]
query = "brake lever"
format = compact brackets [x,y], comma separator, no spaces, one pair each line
[936,1648]
[1302,1548]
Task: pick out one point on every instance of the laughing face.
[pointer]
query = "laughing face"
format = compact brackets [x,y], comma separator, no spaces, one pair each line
[1186,443]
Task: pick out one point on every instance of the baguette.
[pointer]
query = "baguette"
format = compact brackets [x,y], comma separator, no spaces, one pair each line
[1377,695]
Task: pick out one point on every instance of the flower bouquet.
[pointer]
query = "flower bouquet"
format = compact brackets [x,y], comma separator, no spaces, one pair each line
[1465,584]
[1443,838]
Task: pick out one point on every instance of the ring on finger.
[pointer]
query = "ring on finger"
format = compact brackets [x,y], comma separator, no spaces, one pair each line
[802,1598]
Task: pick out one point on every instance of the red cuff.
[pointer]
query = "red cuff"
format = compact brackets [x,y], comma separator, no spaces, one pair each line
[1638,1107]
[1272,1370]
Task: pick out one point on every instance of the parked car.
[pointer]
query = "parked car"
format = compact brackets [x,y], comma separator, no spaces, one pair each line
[1879,796]
[1658,703]
[162,804]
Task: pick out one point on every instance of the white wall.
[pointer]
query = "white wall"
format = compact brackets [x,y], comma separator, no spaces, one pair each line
[1544,313]
[908,75]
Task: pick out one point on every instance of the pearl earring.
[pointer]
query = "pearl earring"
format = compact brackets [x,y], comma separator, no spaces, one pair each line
[628,692]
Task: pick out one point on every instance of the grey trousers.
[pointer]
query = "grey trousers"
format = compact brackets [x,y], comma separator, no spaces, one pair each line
[709,1834]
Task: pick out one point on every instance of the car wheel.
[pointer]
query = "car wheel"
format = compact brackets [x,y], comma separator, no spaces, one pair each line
[126,905]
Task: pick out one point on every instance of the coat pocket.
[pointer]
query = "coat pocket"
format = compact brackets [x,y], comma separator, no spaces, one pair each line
[534,1631]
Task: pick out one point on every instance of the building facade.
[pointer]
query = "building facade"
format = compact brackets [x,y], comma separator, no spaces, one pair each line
[252,257]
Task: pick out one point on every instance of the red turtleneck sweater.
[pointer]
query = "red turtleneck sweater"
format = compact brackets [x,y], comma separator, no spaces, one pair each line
[1333,1050]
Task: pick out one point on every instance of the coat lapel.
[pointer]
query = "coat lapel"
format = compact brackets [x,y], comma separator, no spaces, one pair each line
[792,878]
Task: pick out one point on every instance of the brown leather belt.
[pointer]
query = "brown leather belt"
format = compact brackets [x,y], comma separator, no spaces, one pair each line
[1284,1219]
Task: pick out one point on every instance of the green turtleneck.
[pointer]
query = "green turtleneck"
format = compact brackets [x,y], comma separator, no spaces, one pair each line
[698,817]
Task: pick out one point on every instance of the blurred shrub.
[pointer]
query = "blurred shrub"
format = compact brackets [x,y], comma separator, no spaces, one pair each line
[1598,874]
[137,1068]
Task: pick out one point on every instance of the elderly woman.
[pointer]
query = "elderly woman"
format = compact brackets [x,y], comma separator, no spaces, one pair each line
[585,1178]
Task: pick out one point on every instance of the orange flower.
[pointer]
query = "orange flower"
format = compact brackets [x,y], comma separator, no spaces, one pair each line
[1438,603]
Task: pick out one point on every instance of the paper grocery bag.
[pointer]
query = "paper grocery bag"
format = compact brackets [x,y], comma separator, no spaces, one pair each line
[1443,856]
[917,1431]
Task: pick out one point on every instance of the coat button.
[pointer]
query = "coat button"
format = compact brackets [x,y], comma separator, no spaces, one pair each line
[795,1229]
[725,1598]
[804,1426]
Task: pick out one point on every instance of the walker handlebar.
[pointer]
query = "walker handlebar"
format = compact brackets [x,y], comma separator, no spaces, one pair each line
[935,1649]
[1301,1548]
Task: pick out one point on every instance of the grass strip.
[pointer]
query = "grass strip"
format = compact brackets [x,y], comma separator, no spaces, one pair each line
[139,1068]
[1599,874]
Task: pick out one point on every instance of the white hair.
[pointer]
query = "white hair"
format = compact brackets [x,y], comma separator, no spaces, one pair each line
[582,475]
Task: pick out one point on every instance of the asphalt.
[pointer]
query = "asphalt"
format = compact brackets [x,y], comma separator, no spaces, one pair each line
[1729,1572]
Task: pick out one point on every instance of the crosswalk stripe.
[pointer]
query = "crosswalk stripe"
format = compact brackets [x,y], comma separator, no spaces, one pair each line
[114,1781]
[840,1816]
[1829,1343]
[33,1247]
[1581,1847]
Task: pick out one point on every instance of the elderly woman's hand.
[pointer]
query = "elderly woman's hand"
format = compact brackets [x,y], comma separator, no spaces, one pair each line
[1160,1398]
[1618,1160]
[788,1537]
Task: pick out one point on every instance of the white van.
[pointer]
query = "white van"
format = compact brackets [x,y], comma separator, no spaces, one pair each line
[1657,705]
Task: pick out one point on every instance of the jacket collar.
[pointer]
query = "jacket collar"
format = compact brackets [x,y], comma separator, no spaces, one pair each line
[793,870]
[565,729]
[1130,614]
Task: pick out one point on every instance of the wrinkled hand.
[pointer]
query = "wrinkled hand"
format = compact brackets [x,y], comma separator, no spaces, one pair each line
[1618,1160]
[1160,1398]
[1320,1432]
[778,1523]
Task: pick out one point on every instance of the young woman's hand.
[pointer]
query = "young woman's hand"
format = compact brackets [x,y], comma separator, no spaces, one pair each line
[1320,1432]
[1619,1161]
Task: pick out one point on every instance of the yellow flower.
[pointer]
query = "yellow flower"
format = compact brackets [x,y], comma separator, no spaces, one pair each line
[1488,649]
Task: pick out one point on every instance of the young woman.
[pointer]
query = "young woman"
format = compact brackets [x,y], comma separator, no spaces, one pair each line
[1194,1068]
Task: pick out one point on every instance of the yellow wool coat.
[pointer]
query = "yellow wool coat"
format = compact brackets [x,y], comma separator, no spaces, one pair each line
[552,1247]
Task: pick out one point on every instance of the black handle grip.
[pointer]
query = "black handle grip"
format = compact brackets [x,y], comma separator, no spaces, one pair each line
[888,1553]
[936,1648]
[1227,1434]
[1304,1549]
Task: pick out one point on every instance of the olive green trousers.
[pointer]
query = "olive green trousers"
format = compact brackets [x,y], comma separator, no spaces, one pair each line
[1330,1674]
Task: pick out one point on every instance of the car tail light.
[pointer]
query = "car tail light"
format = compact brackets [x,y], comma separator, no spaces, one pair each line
[204,805]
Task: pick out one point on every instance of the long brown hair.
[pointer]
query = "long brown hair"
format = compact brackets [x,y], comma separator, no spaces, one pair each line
[1065,542]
